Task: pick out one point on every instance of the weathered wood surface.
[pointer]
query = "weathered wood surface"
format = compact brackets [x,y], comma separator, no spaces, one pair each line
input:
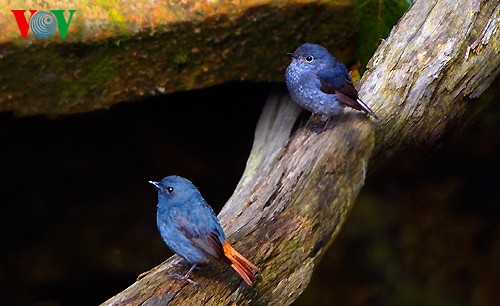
[299,186]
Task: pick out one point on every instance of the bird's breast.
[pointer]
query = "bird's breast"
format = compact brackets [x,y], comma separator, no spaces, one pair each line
[304,88]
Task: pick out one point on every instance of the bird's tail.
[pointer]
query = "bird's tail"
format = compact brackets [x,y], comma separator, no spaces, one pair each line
[240,264]
[366,109]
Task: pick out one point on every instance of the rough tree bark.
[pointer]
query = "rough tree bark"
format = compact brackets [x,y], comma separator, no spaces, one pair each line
[299,186]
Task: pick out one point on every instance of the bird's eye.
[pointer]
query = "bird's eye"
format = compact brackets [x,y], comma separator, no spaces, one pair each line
[169,190]
[309,58]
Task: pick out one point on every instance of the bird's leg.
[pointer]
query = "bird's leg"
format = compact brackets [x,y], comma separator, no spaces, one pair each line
[312,119]
[318,123]
[185,277]
[327,120]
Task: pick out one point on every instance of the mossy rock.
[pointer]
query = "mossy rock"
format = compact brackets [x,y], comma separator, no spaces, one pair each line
[114,52]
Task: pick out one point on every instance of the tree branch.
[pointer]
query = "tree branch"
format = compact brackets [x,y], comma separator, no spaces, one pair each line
[299,186]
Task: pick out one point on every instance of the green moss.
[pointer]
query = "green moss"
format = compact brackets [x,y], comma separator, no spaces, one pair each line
[118,19]
[115,16]
[180,58]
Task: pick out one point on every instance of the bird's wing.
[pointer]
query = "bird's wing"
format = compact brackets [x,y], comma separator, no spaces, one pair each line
[203,230]
[339,83]
[211,245]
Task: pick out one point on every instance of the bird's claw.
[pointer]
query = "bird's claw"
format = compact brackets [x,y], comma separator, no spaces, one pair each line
[183,278]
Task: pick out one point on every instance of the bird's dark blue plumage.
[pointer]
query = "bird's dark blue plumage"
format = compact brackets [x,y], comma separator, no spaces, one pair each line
[333,78]
[320,83]
[190,228]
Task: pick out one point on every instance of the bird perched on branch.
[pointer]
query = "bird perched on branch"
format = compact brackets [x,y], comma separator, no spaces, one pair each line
[320,83]
[190,228]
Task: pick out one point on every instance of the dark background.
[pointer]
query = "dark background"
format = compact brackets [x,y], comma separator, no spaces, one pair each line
[78,216]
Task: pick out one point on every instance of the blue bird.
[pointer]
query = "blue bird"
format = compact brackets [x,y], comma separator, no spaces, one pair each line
[320,83]
[190,228]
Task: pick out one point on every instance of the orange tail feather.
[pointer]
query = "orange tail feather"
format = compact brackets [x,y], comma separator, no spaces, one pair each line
[240,264]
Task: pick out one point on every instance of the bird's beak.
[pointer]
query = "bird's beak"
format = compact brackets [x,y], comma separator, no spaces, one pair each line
[156,184]
[292,54]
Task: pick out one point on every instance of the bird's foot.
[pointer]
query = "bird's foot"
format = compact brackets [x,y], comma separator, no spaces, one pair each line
[183,278]
[317,123]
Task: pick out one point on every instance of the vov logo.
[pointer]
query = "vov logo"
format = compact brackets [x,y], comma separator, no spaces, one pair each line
[43,24]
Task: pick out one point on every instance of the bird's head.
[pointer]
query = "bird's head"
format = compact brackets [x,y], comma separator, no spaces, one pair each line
[311,57]
[175,189]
